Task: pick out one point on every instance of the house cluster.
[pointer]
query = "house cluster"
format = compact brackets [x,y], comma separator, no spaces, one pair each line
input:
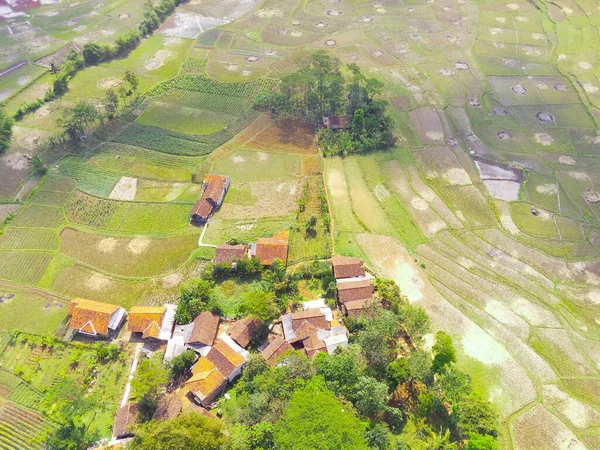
[354,287]
[215,188]
[312,330]
[265,249]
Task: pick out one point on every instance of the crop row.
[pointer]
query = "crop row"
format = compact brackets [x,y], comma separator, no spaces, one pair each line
[26,396]
[209,37]
[288,63]
[89,178]
[127,216]
[58,184]
[176,143]
[23,267]
[39,216]
[201,83]
[224,104]
[29,239]
[21,428]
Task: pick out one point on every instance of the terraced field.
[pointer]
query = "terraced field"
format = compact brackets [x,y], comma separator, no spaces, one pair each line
[486,212]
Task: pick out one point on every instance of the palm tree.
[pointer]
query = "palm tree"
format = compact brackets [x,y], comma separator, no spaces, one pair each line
[54,69]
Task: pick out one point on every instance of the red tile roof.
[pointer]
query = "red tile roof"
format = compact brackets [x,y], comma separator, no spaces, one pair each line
[355,290]
[268,249]
[229,253]
[225,359]
[314,316]
[206,326]
[347,267]
[275,349]
[244,330]
[214,187]
[90,316]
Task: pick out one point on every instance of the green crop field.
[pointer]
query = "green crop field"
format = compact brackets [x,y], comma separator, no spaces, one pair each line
[486,211]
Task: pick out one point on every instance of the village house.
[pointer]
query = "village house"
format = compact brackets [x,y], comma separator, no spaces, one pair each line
[337,122]
[227,253]
[347,267]
[204,332]
[269,249]
[125,421]
[311,331]
[215,188]
[154,322]
[96,319]
[244,330]
[211,373]
[352,290]
[168,407]
[275,349]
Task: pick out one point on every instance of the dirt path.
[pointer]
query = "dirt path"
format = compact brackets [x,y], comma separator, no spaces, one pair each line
[200,243]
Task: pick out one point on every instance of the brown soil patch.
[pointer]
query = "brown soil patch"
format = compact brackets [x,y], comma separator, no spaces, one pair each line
[311,165]
[108,83]
[286,135]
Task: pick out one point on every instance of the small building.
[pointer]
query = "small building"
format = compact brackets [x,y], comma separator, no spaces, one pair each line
[215,188]
[177,344]
[169,406]
[148,321]
[229,362]
[352,290]
[315,316]
[95,319]
[227,253]
[206,383]
[347,267]
[125,421]
[244,330]
[275,349]
[204,331]
[341,122]
[354,307]
[269,249]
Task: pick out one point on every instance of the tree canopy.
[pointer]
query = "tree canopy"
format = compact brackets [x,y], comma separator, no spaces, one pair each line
[315,419]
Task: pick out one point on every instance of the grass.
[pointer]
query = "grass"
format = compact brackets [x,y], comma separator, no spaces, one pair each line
[184,119]
[251,165]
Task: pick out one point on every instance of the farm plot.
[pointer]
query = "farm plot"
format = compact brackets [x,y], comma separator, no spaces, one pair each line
[250,165]
[138,256]
[29,239]
[262,199]
[23,266]
[246,230]
[31,309]
[286,136]
[22,428]
[130,217]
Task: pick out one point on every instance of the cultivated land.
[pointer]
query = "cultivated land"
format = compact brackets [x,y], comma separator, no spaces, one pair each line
[486,212]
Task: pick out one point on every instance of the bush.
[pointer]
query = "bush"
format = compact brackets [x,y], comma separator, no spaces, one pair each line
[182,363]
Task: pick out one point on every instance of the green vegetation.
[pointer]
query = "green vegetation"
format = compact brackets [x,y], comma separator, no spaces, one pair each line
[320,90]
[5,131]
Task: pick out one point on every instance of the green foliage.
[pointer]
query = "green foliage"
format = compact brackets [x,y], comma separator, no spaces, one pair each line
[182,363]
[132,79]
[370,397]
[398,372]
[194,296]
[315,419]
[378,437]
[476,416]
[189,431]
[38,165]
[260,304]
[106,353]
[77,119]
[481,442]
[150,377]
[111,103]
[5,131]
[443,351]
[341,370]
[68,437]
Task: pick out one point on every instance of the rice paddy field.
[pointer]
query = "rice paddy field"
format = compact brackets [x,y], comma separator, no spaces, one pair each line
[486,212]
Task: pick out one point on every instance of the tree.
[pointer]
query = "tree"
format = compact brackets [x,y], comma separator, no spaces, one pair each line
[340,370]
[75,120]
[481,442]
[60,84]
[189,431]
[182,363]
[150,376]
[370,397]
[68,437]
[93,53]
[38,165]
[5,131]
[132,80]
[123,94]
[194,296]
[443,351]
[311,223]
[398,372]
[54,68]
[315,419]
[294,365]
[111,102]
[260,304]
[255,365]
[476,416]
[378,437]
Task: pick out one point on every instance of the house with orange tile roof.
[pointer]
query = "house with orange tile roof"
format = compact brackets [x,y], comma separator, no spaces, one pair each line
[94,318]
[275,349]
[269,249]
[146,320]
[228,253]
[244,330]
[215,188]
[211,373]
